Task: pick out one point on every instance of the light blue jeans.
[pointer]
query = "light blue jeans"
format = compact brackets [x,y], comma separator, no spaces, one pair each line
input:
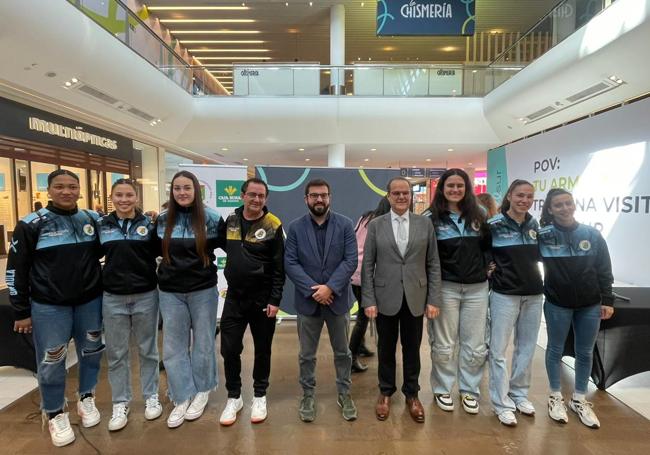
[124,315]
[460,327]
[521,314]
[586,323]
[189,352]
[53,327]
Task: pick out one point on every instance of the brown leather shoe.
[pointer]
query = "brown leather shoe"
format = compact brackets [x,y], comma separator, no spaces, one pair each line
[382,408]
[415,409]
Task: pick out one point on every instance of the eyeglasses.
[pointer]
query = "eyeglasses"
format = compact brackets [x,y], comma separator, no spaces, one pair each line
[316,196]
[400,193]
[255,195]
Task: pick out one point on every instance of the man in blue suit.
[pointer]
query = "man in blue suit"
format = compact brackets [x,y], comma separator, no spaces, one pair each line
[320,257]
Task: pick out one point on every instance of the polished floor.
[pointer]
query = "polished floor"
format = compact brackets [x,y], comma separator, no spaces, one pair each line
[623,431]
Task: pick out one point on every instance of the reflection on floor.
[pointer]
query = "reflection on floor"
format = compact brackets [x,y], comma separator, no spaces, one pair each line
[623,431]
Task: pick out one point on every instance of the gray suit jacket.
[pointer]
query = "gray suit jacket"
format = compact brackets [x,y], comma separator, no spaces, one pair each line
[386,276]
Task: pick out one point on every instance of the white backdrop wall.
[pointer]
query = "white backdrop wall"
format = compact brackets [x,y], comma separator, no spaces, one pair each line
[605,162]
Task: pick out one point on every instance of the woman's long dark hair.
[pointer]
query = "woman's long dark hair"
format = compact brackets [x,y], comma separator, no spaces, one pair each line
[197,216]
[470,211]
[505,203]
[546,218]
[382,208]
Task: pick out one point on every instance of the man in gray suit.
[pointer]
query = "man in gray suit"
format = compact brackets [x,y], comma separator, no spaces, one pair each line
[400,279]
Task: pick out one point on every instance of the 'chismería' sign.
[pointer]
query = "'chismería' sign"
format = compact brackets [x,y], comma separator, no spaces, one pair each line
[425,17]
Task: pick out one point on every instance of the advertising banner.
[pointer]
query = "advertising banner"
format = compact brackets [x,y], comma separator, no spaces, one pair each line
[425,17]
[221,191]
[353,192]
[605,162]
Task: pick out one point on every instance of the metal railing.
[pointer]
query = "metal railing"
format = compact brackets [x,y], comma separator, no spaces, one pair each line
[558,24]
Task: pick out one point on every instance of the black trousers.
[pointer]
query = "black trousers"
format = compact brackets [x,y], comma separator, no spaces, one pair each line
[409,329]
[237,314]
[360,326]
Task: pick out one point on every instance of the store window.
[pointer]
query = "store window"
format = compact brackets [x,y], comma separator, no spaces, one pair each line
[39,173]
[112,177]
[97,190]
[148,179]
[23,195]
[7,217]
[172,166]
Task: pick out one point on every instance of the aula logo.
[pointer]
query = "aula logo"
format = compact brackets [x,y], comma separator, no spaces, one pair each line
[415,10]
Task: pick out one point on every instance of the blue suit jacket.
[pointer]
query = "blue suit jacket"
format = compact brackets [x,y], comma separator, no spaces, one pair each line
[306,268]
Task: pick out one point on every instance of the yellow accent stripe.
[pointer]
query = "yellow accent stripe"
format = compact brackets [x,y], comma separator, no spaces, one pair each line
[371,185]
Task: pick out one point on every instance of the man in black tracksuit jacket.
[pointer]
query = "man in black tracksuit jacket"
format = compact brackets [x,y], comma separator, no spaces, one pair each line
[255,274]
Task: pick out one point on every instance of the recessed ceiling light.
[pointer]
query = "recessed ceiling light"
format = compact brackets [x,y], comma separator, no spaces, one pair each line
[469,164]
[224,149]
[74,80]
[311,3]
[222,41]
[245,159]
[448,48]
[301,150]
[207,21]
[373,150]
[228,50]
[428,160]
[196,8]
[613,78]
[233,58]
[450,150]
[366,159]
[413,166]
[214,32]
[307,159]
[286,3]
[474,71]
[68,83]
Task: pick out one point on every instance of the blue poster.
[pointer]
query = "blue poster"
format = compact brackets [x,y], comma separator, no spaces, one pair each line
[2,182]
[41,182]
[497,173]
[425,17]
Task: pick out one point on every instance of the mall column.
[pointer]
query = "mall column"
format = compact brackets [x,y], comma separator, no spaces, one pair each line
[337,49]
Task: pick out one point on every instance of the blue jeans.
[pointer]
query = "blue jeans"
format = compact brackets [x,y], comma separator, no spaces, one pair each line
[124,315]
[189,353]
[586,323]
[53,327]
[521,313]
[461,325]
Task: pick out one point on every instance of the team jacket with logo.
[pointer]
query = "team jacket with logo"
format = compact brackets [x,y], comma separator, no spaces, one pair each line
[516,255]
[186,272]
[577,267]
[54,259]
[131,251]
[461,251]
[255,264]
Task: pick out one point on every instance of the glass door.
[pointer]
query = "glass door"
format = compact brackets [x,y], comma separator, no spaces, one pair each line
[23,198]
[39,173]
[98,191]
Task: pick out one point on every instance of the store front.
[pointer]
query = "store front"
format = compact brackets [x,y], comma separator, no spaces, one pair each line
[34,143]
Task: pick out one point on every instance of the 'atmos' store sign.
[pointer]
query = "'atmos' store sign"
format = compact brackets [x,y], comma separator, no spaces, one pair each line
[25,122]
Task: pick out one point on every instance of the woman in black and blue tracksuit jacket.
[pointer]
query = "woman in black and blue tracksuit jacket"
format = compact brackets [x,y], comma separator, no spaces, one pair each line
[463,240]
[516,301]
[187,283]
[130,304]
[55,288]
[578,290]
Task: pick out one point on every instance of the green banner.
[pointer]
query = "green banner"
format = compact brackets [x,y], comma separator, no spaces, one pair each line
[497,173]
[228,193]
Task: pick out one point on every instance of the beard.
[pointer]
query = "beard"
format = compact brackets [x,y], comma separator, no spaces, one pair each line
[318,209]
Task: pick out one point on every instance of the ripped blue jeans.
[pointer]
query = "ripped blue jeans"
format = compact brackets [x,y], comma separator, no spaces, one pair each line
[458,338]
[53,327]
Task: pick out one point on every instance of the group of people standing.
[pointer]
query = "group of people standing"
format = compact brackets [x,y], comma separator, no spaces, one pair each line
[398,265]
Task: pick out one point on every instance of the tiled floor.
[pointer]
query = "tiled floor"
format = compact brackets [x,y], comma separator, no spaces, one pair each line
[633,391]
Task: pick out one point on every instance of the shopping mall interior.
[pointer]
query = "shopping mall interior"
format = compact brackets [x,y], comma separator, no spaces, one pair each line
[552,91]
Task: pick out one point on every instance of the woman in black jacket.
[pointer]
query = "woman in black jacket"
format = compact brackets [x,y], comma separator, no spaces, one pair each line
[578,290]
[130,304]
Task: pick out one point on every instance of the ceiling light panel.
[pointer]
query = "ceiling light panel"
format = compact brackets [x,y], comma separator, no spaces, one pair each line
[229,50]
[197,8]
[214,32]
[223,41]
[206,21]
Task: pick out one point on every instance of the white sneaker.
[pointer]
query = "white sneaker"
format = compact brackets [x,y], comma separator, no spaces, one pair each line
[60,430]
[508,418]
[586,414]
[470,405]
[199,402]
[177,417]
[229,414]
[258,410]
[444,401]
[152,407]
[119,418]
[88,412]
[526,408]
[557,409]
